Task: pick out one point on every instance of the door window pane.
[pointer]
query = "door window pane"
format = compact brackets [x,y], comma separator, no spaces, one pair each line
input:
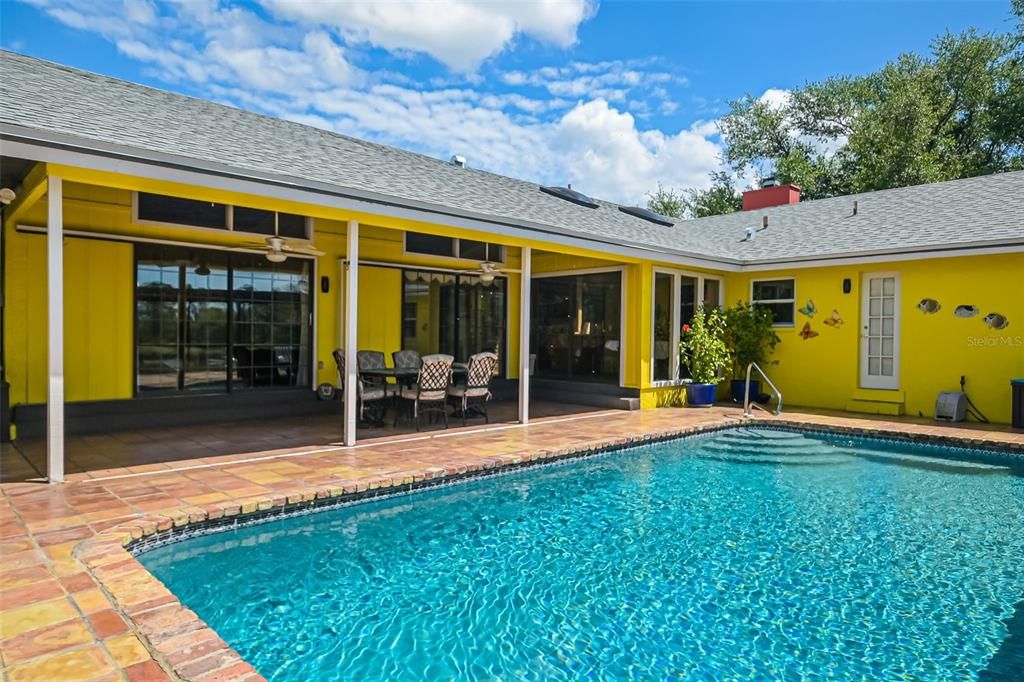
[662,326]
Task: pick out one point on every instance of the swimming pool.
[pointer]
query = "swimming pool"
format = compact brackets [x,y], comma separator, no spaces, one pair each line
[743,554]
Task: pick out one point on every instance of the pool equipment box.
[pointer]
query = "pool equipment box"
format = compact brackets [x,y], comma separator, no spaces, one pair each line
[951,406]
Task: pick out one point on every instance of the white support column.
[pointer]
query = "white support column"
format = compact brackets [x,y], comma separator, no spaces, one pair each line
[351,320]
[524,336]
[55,336]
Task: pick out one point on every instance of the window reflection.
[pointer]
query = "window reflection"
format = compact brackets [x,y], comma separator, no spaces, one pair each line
[192,305]
[575,326]
[454,314]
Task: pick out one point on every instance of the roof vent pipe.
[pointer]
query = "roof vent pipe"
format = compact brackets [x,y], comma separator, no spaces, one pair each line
[764,222]
[457,160]
[854,207]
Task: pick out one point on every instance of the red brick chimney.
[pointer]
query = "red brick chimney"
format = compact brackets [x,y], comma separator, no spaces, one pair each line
[770,194]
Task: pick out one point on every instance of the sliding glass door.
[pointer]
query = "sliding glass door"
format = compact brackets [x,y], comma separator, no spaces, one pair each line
[676,297]
[210,321]
[575,326]
[458,315]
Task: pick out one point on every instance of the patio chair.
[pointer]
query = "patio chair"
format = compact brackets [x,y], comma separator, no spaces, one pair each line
[430,393]
[406,359]
[476,392]
[372,397]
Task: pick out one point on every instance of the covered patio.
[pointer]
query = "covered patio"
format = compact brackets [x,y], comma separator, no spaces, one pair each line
[227,343]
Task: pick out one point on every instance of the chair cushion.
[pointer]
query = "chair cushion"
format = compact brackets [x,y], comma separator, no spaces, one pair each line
[461,390]
[374,394]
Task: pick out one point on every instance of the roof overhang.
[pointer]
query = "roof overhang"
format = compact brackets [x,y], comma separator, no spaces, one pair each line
[56,148]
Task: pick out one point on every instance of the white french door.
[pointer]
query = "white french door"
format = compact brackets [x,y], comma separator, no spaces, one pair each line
[880,330]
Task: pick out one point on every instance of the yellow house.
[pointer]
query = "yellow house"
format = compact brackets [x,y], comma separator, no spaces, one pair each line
[168,260]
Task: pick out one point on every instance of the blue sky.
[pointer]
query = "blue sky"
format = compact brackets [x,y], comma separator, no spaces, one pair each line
[613,96]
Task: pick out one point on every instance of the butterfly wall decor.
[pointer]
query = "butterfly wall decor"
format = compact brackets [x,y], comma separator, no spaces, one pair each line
[807,332]
[834,320]
[809,309]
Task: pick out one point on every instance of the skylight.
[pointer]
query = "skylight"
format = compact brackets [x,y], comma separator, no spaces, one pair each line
[569,194]
[650,216]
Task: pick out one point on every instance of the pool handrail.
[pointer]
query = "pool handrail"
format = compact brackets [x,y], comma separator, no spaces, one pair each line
[748,404]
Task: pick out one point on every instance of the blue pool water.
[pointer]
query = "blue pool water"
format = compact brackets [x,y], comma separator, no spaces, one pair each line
[746,554]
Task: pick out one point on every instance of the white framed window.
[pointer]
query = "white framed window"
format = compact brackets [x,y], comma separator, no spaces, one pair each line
[160,209]
[424,244]
[778,296]
[675,297]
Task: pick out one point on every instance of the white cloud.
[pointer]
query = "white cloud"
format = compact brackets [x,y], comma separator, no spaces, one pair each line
[555,124]
[606,155]
[458,33]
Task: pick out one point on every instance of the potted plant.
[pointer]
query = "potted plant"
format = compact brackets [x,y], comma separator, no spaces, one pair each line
[750,338]
[703,351]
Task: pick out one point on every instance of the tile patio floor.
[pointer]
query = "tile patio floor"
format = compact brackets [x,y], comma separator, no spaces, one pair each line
[126,452]
[75,605]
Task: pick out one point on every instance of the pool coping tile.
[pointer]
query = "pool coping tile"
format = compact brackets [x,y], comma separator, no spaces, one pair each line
[180,645]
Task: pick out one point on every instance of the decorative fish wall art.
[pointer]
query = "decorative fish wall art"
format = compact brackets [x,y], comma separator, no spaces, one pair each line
[807,332]
[834,320]
[966,311]
[809,309]
[929,306]
[997,321]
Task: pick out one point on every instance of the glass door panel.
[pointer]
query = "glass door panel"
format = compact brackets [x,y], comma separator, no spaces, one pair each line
[157,322]
[481,323]
[205,323]
[551,317]
[598,317]
[662,326]
[271,320]
[575,326]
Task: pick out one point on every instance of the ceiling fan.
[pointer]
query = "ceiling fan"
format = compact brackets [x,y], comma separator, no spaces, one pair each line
[277,249]
[489,270]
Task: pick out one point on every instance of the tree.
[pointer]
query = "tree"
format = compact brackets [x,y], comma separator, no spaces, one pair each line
[722,197]
[956,113]
[667,201]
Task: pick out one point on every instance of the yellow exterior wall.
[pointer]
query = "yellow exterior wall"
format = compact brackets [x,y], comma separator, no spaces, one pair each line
[99,284]
[822,371]
[98,290]
[935,349]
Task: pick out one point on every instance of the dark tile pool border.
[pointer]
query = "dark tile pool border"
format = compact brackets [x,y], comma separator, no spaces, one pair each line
[186,645]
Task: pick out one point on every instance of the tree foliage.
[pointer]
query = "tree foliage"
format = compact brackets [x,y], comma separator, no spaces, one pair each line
[667,201]
[957,112]
[721,197]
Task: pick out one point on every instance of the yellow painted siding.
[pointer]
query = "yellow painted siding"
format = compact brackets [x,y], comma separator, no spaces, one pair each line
[98,290]
[822,371]
[935,349]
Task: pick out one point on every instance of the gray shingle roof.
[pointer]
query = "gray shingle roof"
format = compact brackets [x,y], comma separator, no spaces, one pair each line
[52,98]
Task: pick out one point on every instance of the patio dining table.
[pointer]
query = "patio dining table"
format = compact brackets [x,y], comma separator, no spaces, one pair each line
[405,374]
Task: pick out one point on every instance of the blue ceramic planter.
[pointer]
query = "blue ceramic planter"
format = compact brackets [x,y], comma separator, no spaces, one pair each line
[701,395]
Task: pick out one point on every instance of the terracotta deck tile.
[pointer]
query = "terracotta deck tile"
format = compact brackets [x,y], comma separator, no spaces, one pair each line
[61,547]
[72,666]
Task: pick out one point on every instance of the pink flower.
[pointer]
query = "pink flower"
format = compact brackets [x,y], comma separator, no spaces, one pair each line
[686,327]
